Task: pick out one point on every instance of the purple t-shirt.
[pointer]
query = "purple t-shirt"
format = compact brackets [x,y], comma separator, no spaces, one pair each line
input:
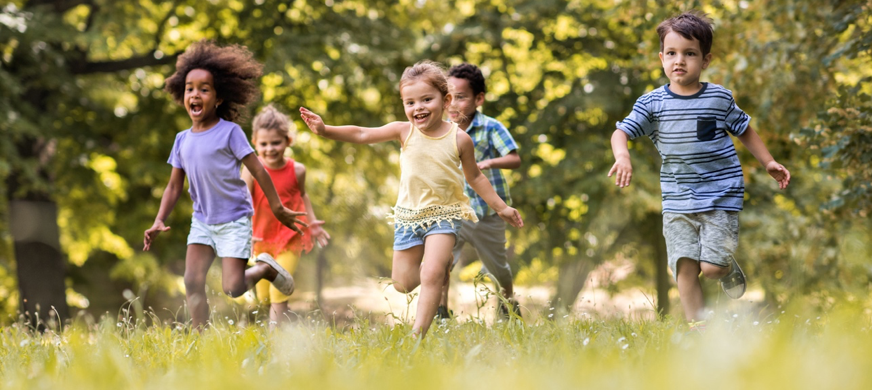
[211,159]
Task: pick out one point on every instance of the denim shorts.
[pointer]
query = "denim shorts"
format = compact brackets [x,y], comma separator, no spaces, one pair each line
[230,239]
[406,237]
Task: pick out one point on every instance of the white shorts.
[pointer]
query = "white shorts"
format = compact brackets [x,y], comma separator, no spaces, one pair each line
[229,239]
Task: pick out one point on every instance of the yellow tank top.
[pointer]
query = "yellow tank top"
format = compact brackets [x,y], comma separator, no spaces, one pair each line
[431,181]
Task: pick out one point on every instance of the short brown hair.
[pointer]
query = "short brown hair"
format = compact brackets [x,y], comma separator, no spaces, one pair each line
[690,25]
[233,69]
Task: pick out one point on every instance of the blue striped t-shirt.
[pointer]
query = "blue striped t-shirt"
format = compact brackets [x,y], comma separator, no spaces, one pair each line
[700,170]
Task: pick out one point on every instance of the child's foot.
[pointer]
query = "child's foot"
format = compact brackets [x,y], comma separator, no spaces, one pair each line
[734,283]
[444,313]
[504,310]
[284,282]
[696,327]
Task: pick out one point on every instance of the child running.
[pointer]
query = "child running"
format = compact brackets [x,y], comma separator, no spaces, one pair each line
[272,134]
[700,177]
[434,159]
[495,149]
[214,84]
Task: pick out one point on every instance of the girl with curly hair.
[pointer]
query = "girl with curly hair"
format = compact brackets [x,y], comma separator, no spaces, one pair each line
[214,84]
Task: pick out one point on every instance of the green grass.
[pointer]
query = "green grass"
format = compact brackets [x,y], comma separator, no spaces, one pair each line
[788,351]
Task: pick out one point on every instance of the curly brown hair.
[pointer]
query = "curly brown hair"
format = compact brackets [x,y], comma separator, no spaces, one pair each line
[234,71]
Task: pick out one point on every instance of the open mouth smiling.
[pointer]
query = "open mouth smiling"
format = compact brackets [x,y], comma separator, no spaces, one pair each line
[196,108]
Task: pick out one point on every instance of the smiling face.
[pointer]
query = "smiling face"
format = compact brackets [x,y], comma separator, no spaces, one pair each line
[270,146]
[465,102]
[424,105]
[201,100]
[683,63]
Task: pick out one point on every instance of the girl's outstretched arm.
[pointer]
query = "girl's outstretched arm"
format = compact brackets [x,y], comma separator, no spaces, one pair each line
[480,183]
[753,142]
[356,134]
[283,214]
[315,226]
[167,201]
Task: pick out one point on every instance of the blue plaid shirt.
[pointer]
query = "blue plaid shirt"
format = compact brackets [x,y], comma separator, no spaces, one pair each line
[491,140]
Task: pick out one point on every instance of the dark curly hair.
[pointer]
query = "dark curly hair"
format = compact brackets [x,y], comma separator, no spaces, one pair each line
[470,73]
[234,71]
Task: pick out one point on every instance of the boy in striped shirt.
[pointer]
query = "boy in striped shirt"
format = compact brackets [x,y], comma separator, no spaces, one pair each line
[701,179]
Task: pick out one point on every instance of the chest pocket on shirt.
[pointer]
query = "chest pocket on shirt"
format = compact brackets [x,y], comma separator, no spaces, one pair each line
[706,127]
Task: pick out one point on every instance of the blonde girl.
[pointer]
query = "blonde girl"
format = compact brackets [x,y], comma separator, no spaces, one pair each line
[434,159]
[272,134]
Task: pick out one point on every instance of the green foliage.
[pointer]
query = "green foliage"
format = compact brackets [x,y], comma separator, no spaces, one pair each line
[86,124]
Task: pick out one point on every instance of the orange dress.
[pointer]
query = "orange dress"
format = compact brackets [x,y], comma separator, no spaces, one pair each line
[277,238]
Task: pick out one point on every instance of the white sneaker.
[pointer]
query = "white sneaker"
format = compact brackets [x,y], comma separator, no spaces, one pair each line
[734,283]
[284,282]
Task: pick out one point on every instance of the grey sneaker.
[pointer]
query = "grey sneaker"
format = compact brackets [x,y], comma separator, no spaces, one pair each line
[284,282]
[734,283]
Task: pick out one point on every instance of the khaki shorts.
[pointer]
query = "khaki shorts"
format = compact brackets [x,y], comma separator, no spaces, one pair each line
[488,237]
[710,237]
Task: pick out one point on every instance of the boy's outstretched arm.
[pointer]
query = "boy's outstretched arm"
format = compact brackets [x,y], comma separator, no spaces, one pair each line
[480,183]
[752,141]
[167,202]
[623,169]
[283,214]
[354,134]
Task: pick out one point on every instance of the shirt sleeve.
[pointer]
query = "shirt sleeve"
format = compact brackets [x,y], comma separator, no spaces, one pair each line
[175,158]
[640,121]
[239,145]
[737,120]
[502,139]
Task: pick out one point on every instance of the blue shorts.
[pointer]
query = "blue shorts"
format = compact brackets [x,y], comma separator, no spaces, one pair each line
[405,238]
[230,239]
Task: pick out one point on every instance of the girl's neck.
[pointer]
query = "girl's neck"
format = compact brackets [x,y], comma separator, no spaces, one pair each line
[204,124]
[438,131]
[277,164]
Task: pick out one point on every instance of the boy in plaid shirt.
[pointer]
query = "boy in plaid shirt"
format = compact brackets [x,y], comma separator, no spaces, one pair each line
[495,149]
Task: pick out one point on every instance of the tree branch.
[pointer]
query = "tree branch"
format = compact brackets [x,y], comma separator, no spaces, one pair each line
[59,6]
[147,59]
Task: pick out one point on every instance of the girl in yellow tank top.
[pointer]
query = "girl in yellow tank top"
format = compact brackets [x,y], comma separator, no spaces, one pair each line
[434,160]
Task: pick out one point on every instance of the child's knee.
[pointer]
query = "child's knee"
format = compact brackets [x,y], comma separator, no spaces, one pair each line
[404,284]
[712,271]
[194,284]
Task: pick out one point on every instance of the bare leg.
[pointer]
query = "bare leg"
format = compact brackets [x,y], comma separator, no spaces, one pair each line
[278,314]
[434,271]
[197,261]
[712,271]
[406,269]
[236,280]
[443,299]
[689,289]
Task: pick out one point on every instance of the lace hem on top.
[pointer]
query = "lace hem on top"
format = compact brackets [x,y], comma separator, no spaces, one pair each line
[428,216]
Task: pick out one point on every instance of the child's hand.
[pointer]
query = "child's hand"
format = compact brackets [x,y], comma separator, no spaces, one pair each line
[318,233]
[152,233]
[623,171]
[288,218]
[313,121]
[512,216]
[779,173]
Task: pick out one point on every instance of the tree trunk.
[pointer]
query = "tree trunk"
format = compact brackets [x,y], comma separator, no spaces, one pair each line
[573,276]
[320,267]
[40,263]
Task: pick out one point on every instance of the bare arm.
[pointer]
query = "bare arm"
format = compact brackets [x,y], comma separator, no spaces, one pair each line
[248,179]
[356,134]
[315,226]
[480,183]
[755,145]
[509,161]
[622,168]
[285,216]
[167,203]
